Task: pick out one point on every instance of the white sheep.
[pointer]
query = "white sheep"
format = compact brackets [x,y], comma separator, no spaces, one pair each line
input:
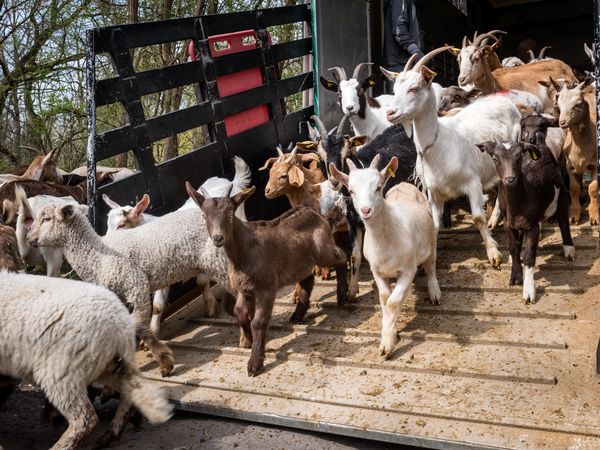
[125,217]
[448,164]
[51,257]
[133,263]
[63,335]
[399,235]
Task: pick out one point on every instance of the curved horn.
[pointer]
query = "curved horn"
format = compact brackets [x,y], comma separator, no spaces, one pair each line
[358,68]
[531,55]
[320,126]
[481,37]
[543,51]
[341,126]
[465,42]
[291,156]
[279,150]
[425,59]
[340,72]
[268,162]
[410,62]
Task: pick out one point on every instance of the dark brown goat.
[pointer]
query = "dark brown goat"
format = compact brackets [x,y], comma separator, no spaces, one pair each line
[457,97]
[10,259]
[532,188]
[265,256]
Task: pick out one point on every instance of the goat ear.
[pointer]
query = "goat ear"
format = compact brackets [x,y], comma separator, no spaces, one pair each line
[368,82]
[340,177]
[48,157]
[389,170]
[242,196]
[355,141]
[307,145]
[487,146]
[427,74]
[111,204]
[544,83]
[140,207]
[533,152]
[66,212]
[389,74]
[549,121]
[557,86]
[194,195]
[328,84]
[295,176]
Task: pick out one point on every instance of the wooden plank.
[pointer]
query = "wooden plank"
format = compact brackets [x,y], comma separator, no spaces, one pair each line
[295,84]
[242,101]
[179,121]
[292,49]
[151,81]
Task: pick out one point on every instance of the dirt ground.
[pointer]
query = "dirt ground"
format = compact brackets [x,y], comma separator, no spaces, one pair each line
[21,428]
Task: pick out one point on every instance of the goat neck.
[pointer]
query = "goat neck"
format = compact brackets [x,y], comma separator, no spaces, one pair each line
[239,243]
[303,195]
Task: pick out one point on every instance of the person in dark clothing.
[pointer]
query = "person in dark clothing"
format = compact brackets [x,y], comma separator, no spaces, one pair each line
[402,34]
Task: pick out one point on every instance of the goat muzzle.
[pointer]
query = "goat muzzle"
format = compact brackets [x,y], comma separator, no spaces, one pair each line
[218,240]
[508,181]
[33,242]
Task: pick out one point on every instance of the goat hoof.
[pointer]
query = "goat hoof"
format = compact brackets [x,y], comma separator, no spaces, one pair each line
[296,319]
[166,363]
[254,368]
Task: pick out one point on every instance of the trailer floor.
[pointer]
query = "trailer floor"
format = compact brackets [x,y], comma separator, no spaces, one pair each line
[482,370]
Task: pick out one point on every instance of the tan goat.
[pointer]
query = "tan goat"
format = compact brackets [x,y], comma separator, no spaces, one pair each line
[475,70]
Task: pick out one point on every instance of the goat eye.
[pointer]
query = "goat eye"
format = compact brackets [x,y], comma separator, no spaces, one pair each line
[283,177]
[351,191]
[378,189]
[45,219]
[412,91]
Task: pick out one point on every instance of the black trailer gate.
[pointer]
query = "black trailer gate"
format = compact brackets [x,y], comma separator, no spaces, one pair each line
[164,181]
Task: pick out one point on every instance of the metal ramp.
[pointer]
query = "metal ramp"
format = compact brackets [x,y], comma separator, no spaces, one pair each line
[482,370]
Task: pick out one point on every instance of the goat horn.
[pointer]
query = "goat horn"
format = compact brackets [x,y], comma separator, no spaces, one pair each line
[358,68]
[340,72]
[543,51]
[279,150]
[481,37]
[425,59]
[291,156]
[320,126]
[268,162]
[531,55]
[341,126]
[410,62]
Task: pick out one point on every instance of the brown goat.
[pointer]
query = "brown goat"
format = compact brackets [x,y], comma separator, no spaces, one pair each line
[42,168]
[10,259]
[265,256]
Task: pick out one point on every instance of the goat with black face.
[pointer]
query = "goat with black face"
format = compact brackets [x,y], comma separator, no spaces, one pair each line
[531,189]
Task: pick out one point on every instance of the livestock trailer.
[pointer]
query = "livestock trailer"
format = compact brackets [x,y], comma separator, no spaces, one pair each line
[481,370]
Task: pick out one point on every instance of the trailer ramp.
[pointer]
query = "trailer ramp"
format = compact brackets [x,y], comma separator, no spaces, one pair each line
[483,370]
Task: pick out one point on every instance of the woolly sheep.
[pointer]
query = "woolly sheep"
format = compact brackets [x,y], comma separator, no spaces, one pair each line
[63,335]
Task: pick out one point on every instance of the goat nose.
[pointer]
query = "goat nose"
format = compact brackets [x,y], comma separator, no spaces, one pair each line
[390,113]
[33,242]
[350,108]
[365,210]
[509,180]
[461,79]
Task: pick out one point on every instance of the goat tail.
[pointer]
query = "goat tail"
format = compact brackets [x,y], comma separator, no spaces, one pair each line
[148,398]
[22,203]
[242,177]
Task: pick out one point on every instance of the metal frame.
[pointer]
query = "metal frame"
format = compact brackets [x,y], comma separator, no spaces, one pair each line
[164,181]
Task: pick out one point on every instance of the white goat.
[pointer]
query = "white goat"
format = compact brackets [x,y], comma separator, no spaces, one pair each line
[448,164]
[63,335]
[512,61]
[125,217]
[399,235]
[51,257]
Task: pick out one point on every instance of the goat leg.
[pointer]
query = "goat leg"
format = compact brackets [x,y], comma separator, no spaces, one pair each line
[260,325]
[530,243]
[575,209]
[514,244]
[562,217]
[593,191]
[244,311]
[303,304]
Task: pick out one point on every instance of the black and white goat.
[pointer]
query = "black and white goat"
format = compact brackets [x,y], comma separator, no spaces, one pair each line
[367,114]
[532,188]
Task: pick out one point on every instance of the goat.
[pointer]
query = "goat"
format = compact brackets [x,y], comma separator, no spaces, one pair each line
[457,97]
[117,173]
[51,257]
[475,70]
[532,189]
[541,56]
[575,108]
[133,263]
[334,147]
[42,168]
[399,235]
[590,52]
[367,114]
[63,335]
[287,177]
[265,256]
[10,257]
[448,164]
